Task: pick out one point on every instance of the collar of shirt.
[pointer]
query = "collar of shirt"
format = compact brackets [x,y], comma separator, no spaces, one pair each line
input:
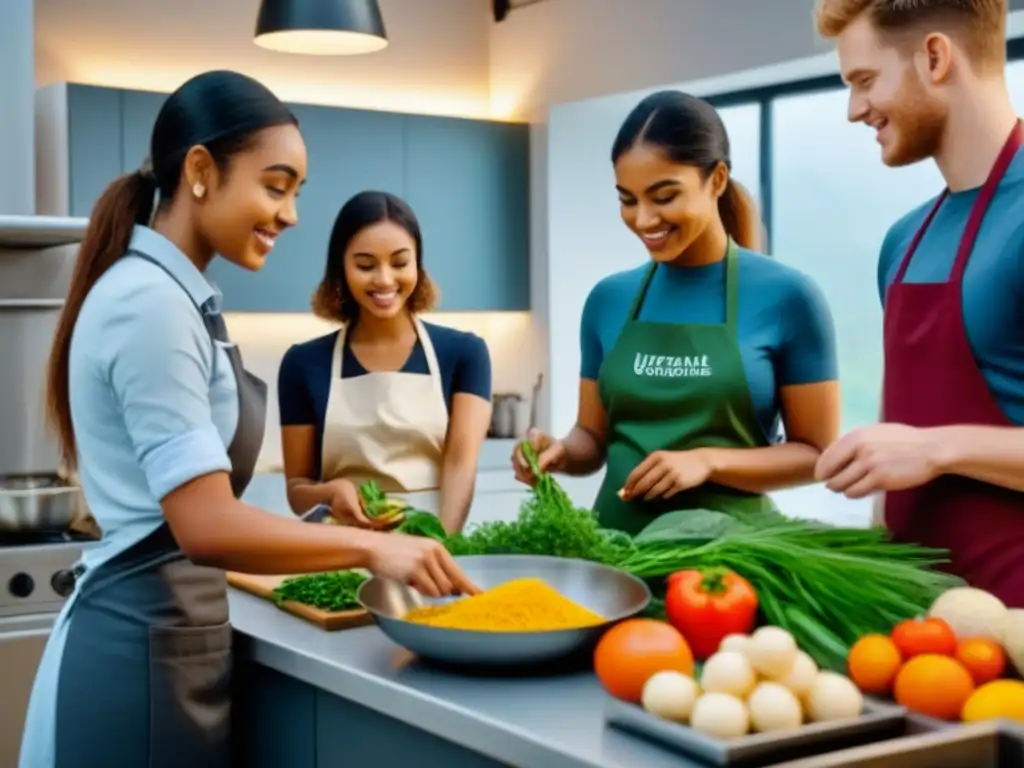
[161,250]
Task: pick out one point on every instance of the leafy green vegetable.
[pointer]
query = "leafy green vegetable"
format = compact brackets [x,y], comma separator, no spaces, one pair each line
[696,525]
[332,591]
[377,504]
[419,523]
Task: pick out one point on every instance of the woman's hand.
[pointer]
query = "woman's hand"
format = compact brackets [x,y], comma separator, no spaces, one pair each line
[550,456]
[422,563]
[666,473]
[346,505]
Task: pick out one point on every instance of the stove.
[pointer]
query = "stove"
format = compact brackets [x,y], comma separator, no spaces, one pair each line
[35,571]
[35,580]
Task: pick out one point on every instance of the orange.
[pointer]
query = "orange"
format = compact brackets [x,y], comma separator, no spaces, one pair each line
[934,685]
[629,653]
[873,663]
[983,658]
[916,636]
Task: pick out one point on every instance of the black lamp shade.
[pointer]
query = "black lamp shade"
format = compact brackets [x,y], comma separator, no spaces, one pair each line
[321,27]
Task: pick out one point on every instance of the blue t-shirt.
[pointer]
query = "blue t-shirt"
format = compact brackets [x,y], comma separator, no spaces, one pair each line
[993,286]
[303,382]
[785,330]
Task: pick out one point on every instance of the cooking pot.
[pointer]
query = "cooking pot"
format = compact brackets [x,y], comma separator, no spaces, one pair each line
[505,415]
[38,503]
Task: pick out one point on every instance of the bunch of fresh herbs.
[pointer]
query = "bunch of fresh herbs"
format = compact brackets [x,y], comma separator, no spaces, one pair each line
[548,524]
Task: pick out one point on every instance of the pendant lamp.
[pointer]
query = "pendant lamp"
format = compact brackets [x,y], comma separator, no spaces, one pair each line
[321,27]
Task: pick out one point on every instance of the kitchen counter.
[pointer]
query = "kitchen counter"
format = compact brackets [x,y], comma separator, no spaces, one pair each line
[353,698]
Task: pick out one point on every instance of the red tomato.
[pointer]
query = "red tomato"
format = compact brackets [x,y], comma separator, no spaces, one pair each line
[708,605]
[915,637]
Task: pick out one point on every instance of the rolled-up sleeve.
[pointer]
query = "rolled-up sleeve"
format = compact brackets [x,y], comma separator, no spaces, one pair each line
[161,357]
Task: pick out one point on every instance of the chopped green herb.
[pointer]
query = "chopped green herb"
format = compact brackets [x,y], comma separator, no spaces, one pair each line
[332,591]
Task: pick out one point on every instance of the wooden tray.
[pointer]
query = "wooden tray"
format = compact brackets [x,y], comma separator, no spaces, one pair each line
[263,586]
[992,744]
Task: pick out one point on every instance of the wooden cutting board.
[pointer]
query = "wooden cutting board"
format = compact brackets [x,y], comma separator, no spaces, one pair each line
[263,586]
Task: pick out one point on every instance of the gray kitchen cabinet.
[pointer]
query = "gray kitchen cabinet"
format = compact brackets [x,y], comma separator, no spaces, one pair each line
[94,139]
[467,181]
[349,151]
[138,113]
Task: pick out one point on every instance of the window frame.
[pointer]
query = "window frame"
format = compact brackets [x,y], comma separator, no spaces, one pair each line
[765,96]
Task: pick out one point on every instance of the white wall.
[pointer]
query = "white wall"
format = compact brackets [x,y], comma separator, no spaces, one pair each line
[436,60]
[564,50]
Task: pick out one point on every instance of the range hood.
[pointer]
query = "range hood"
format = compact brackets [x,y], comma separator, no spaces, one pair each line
[37,256]
[17,108]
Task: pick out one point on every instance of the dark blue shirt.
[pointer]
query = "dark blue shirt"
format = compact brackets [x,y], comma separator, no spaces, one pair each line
[303,382]
[993,287]
[786,334]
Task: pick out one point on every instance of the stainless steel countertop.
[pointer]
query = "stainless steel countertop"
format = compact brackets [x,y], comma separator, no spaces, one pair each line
[542,722]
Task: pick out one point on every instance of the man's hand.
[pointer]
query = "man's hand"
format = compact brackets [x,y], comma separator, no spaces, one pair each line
[883,457]
[666,473]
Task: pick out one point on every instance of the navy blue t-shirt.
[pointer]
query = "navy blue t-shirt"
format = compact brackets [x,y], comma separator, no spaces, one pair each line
[303,382]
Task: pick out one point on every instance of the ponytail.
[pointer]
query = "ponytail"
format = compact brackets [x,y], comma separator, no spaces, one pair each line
[126,202]
[740,216]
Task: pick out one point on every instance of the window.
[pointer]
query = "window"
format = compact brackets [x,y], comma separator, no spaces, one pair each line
[832,202]
[743,125]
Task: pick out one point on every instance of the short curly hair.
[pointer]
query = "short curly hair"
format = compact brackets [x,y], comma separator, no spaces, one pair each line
[333,299]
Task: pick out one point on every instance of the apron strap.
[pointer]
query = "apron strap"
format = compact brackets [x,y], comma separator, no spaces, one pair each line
[918,236]
[213,320]
[732,287]
[433,367]
[980,207]
[981,204]
[338,353]
[638,300]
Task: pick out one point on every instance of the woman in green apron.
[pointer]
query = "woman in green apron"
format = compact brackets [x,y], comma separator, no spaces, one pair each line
[694,364]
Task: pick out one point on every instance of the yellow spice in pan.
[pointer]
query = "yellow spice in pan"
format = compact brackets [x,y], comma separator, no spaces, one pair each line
[520,605]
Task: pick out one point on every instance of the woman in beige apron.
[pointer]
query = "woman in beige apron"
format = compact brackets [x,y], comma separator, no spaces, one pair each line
[388,398]
[692,361]
[164,425]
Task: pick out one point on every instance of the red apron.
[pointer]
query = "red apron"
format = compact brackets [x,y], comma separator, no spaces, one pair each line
[931,380]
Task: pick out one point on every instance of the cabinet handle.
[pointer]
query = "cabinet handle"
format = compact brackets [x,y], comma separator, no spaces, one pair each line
[31,303]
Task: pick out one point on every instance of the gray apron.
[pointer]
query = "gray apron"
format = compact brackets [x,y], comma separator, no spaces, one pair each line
[145,675]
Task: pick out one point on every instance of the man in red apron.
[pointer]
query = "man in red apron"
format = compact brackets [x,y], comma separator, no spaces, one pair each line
[949,453]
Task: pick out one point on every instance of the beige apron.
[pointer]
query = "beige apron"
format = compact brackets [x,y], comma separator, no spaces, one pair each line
[387,426]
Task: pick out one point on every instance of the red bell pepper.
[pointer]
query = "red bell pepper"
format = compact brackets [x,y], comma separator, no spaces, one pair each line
[707,605]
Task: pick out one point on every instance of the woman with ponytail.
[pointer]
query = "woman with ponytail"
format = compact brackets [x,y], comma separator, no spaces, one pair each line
[154,409]
[694,363]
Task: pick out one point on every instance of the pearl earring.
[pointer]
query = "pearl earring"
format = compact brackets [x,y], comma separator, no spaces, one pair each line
[198,190]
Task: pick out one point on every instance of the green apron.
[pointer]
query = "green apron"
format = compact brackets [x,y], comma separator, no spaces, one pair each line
[676,387]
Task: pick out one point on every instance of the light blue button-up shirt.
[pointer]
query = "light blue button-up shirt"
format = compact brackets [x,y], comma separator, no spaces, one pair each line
[153,398]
